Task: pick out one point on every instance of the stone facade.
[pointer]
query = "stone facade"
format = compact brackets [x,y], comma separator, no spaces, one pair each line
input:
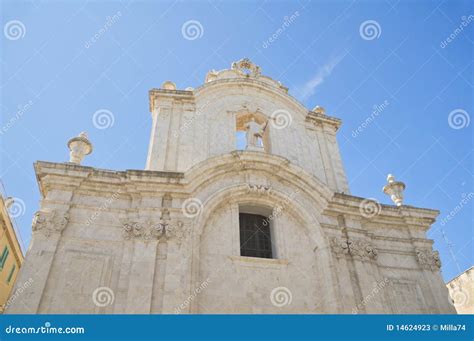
[461,290]
[166,239]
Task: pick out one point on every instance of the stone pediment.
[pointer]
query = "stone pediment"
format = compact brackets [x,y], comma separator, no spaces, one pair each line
[243,69]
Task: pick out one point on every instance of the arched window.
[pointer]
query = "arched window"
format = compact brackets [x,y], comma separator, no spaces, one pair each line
[255,228]
[252,132]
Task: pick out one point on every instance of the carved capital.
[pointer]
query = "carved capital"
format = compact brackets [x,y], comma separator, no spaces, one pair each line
[356,248]
[428,259]
[154,230]
[49,222]
[177,231]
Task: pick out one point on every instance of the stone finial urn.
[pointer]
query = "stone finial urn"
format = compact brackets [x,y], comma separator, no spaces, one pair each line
[80,146]
[394,189]
[319,110]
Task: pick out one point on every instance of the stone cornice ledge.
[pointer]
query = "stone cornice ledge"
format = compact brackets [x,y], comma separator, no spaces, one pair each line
[175,94]
[345,203]
[324,119]
[45,171]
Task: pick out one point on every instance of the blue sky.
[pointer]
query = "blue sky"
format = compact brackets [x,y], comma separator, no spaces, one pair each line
[347,56]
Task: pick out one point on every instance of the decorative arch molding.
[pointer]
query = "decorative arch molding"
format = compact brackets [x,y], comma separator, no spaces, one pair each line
[243,194]
[234,87]
[271,198]
[234,164]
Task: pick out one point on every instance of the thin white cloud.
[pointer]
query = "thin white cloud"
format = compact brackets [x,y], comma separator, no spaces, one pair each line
[308,89]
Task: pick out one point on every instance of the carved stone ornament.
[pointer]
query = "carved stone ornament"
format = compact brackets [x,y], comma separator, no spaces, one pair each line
[259,189]
[50,222]
[358,249]
[79,147]
[428,259]
[150,230]
[246,64]
[394,189]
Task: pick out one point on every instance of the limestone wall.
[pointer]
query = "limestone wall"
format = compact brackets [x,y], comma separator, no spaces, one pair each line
[132,238]
[192,126]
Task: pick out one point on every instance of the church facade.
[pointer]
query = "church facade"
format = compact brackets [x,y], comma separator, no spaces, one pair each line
[209,227]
